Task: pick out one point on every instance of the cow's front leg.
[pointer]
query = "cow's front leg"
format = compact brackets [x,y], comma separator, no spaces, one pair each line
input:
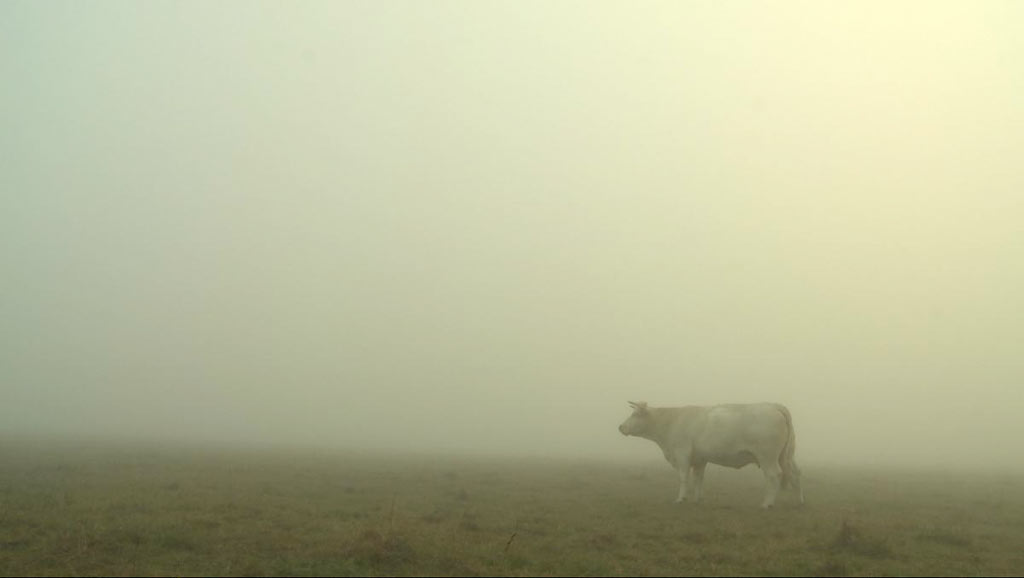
[682,464]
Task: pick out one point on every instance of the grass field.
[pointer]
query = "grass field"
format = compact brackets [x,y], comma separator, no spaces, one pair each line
[118,510]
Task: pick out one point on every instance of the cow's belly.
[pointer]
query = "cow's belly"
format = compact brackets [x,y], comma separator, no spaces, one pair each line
[732,460]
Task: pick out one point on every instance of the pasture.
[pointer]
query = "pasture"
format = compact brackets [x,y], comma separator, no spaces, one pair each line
[119,510]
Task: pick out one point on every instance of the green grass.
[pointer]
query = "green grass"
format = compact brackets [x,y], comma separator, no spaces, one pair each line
[122,511]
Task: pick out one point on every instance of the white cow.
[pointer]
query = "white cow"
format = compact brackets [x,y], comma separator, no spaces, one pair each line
[731,435]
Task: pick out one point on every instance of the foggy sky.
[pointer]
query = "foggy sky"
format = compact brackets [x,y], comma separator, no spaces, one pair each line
[485,226]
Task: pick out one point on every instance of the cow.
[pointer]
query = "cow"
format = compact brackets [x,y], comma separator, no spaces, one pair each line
[732,435]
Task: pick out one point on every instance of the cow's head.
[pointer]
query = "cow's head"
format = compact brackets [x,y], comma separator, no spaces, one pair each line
[637,423]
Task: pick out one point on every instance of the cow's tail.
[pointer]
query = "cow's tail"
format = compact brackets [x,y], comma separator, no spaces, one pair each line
[788,450]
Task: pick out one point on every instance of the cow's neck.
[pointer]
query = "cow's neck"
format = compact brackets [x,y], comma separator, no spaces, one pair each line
[658,432]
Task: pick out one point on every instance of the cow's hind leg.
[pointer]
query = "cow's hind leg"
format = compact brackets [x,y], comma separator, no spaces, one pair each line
[772,481]
[698,480]
[794,480]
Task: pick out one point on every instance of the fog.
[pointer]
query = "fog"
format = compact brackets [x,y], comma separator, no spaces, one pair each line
[484,226]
